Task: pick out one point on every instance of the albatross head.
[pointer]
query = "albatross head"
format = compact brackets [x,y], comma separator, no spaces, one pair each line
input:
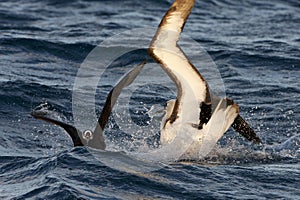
[87,135]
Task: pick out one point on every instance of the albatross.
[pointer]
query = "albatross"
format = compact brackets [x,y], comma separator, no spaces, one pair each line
[192,110]
[94,138]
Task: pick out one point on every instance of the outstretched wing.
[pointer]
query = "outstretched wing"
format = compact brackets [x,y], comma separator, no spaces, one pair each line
[190,84]
[98,140]
[71,130]
[113,96]
[192,90]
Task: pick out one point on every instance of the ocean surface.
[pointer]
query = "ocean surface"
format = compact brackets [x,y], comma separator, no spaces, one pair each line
[253,49]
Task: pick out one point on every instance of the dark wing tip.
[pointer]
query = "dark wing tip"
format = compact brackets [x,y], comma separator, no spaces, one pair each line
[71,130]
[37,114]
[243,128]
[183,7]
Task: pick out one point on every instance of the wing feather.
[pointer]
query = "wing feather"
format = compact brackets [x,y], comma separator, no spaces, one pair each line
[112,98]
[71,130]
[192,89]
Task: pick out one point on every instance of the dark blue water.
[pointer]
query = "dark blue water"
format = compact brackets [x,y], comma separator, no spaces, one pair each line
[255,45]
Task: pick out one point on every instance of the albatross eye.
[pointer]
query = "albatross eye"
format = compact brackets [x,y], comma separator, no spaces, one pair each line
[87,135]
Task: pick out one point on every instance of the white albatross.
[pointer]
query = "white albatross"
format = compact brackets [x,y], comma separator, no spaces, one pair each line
[191,113]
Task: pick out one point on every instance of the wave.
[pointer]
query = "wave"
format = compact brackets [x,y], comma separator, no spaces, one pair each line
[80,172]
[18,95]
[75,52]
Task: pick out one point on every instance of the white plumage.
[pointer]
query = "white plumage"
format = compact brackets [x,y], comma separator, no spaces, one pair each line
[183,114]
